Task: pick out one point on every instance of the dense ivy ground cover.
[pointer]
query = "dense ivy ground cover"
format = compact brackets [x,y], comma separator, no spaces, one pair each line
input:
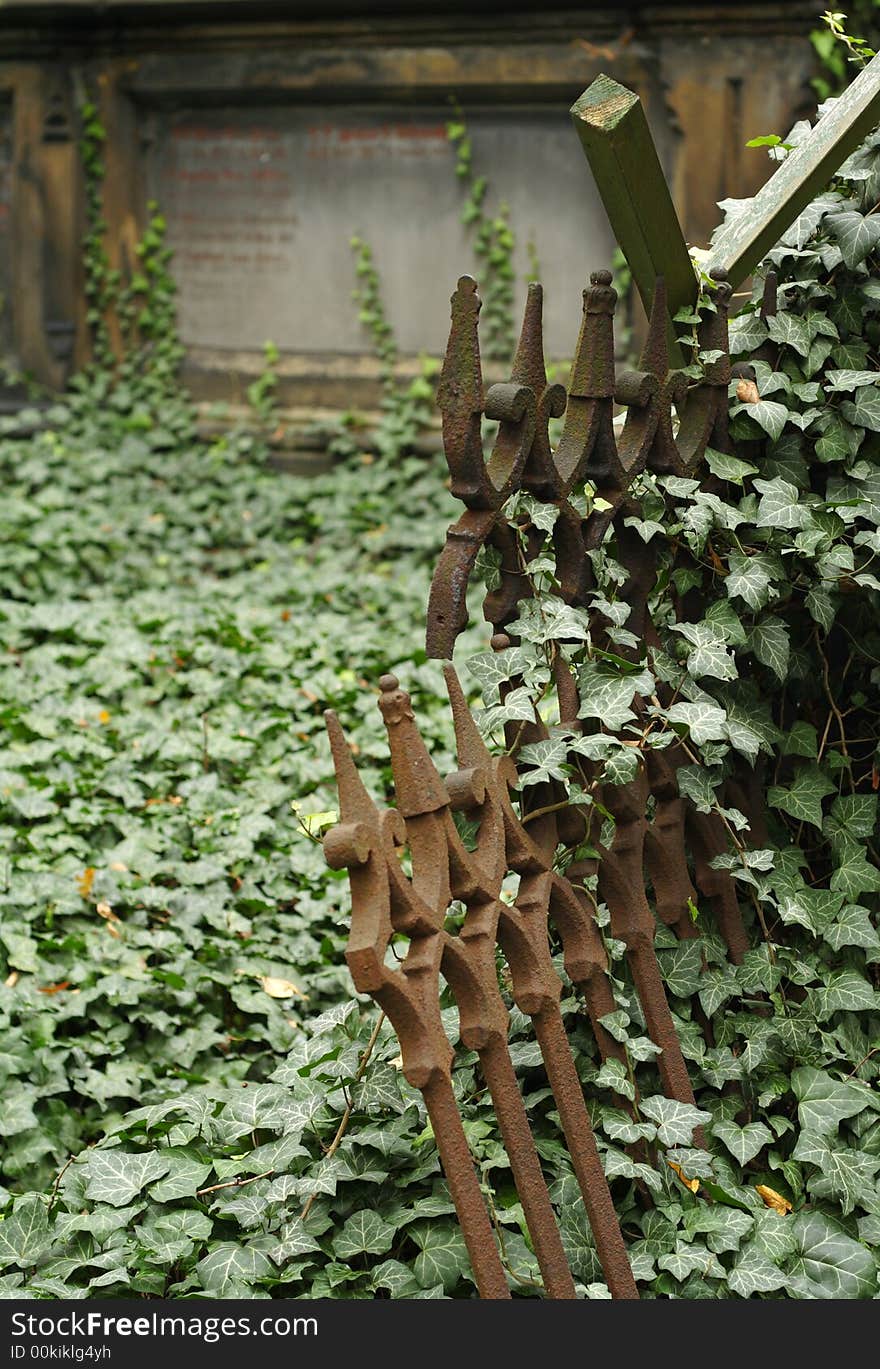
[176,617]
[178,1041]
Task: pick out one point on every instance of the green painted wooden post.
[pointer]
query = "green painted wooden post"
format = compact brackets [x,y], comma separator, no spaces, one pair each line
[614,134]
[744,242]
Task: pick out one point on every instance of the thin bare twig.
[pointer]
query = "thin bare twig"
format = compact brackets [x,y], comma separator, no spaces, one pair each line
[346,1116]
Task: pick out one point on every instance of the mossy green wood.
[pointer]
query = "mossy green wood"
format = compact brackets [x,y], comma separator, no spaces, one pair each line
[745,241]
[615,136]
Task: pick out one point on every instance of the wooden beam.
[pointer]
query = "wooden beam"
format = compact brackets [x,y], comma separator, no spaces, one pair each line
[614,133]
[743,243]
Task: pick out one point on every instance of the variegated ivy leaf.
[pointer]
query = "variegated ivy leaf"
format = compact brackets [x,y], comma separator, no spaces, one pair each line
[229,1266]
[853,928]
[824,1102]
[708,654]
[849,380]
[399,1281]
[621,765]
[780,505]
[791,329]
[769,641]
[688,1259]
[749,578]
[768,414]
[618,1165]
[185,1174]
[705,722]
[676,1122]
[727,467]
[744,1143]
[699,783]
[847,1175]
[754,1273]
[864,410]
[117,1176]
[442,1257]
[803,797]
[25,1233]
[747,333]
[855,234]
[546,760]
[607,695]
[724,1227]
[828,1263]
[844,991]
[854,875]
[365,1232]
[852,816]
[492,669]
[517,707]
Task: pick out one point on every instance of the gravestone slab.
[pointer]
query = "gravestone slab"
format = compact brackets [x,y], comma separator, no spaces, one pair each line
[262,205]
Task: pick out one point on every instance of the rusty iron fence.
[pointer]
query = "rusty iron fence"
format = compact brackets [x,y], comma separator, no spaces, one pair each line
[668,418]
[667,429]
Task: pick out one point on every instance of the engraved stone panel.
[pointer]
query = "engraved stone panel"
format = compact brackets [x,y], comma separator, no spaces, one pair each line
[262,203]
[6,331]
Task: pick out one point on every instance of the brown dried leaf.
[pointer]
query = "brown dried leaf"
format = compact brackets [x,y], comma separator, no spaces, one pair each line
[85,881]
[771,1198]
[692,1184]
[747,392]
[280,988]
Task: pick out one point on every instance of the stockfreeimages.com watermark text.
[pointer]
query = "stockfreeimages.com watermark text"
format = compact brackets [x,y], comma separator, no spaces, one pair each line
[96,1325]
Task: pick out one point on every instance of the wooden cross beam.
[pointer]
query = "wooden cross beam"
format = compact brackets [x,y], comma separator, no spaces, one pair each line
[614,133]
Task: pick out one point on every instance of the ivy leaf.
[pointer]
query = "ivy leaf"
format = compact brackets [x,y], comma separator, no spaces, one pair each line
[364,1232]
[792,330]
[753,1273]
[780,505]
[852,928]
[186,1173]
[853,815]
[747,333]
[845,991]
[708,654]
[230,1266]
[768,414]
[803,798]
[855,234]
[744,1143]
[547,760]
[848,1175]
[828,1263]
[769,641]
[727,467]
[749,578]
[864,410]
[706,722]
[849,380]
[25,1234]
[682,968]
[117,1176]
[442,1258]
[608,696]
[675,1121]
[824,1102]
[396,1278]
[686,1260]
[854,875]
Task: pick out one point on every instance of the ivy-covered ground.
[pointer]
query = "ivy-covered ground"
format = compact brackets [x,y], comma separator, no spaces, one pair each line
[175,619]
[179,1045]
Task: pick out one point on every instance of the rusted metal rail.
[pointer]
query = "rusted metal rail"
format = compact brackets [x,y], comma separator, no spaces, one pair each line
[387,903]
